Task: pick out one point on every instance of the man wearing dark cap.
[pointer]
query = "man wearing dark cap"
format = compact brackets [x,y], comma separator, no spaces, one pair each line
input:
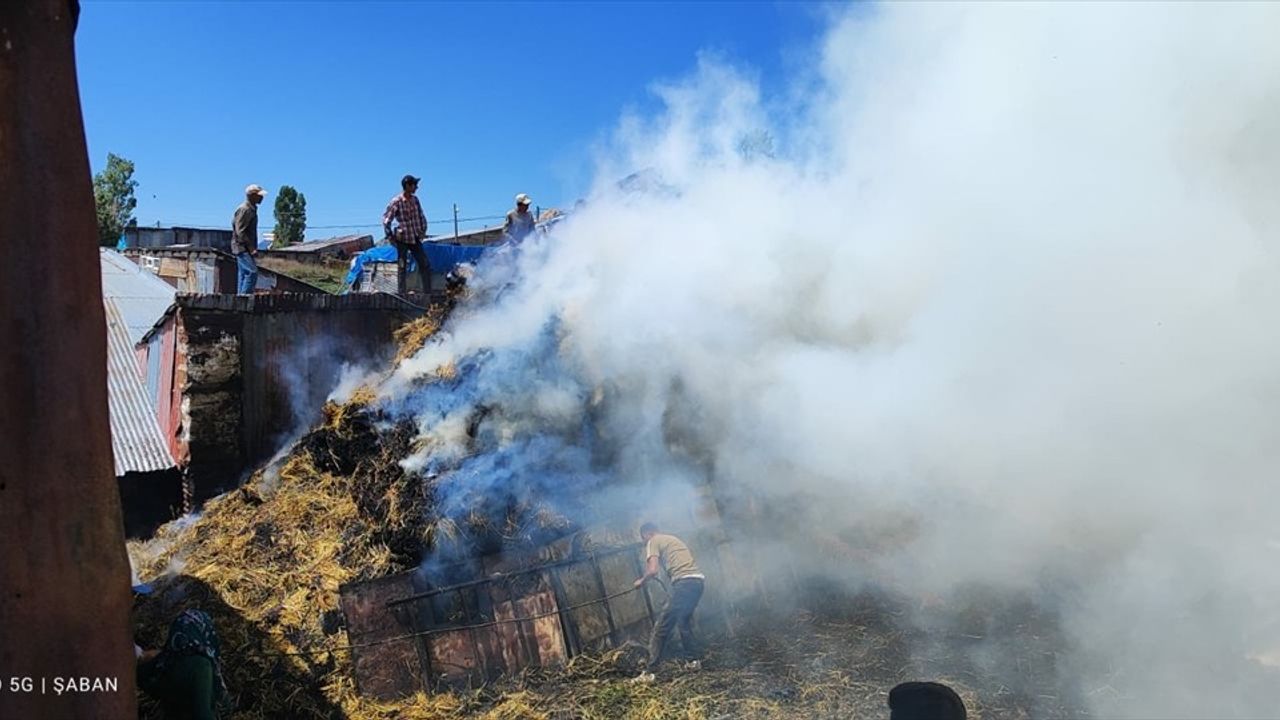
[925,701]
[408,231]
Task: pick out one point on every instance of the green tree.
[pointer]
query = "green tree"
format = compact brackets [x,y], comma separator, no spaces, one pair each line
[291,217]
[113,195]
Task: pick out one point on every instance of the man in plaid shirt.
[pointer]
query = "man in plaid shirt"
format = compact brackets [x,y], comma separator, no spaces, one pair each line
[409,230]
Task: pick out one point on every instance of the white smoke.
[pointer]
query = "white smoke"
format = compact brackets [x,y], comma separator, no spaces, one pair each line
[1009,270]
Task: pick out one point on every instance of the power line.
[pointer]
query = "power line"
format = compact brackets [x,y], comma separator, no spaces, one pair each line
[195,226]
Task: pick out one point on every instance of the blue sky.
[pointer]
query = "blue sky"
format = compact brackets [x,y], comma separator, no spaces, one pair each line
[483,100]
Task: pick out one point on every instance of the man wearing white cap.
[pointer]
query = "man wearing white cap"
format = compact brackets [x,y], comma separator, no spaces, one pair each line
[519,223]
[244,239]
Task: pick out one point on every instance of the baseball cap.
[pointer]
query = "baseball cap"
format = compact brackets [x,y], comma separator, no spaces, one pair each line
[523,199]
[409,179]
[254,190]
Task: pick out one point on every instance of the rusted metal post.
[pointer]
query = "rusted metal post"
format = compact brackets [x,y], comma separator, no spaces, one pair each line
[64,574]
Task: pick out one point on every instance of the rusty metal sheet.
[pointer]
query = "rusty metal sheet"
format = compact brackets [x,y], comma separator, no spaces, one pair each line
[591,622]
[630,612]
[388,670]
[454,657]
[507,616]
[538,642]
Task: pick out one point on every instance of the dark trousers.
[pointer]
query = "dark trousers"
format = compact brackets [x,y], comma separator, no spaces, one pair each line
[403,251]
[678,613]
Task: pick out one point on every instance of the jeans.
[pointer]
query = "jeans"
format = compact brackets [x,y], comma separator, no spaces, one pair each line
[246,273]
[403,251]
[678,613]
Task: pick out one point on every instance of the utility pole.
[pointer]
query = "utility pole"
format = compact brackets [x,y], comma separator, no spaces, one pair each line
[455,222]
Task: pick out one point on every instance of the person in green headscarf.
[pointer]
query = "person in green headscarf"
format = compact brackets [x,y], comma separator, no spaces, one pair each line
[186,676]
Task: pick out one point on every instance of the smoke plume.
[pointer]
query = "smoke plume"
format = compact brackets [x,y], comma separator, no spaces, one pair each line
[998,279]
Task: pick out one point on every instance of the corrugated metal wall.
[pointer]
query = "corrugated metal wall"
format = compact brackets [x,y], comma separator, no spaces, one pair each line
[165,380]
[146,237]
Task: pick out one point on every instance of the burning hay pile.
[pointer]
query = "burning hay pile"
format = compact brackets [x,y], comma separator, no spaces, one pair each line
[267,561]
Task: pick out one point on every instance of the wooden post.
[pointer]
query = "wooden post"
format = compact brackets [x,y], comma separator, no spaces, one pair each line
[64,574]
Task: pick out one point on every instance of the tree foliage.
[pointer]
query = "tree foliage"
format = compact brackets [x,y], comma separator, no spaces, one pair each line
[113,196]
[291,216]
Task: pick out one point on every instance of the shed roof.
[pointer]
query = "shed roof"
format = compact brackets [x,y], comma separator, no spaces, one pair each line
[186,252]
[136,440]
[142,298]
[311,246]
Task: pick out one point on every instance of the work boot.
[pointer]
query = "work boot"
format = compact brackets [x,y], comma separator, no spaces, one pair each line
[643,677]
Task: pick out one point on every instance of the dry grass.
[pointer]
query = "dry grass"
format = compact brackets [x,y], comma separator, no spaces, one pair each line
[414,334]
[329,276]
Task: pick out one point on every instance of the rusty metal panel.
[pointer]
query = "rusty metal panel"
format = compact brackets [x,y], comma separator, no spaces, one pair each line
[391,668]
[511,616]
[454,658]
[174,363]
[537,642]
[631,614]
[590,622]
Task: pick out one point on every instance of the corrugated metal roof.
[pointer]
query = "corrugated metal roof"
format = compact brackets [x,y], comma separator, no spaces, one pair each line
[141,297]
[325,244]
[448,236]
[136,440]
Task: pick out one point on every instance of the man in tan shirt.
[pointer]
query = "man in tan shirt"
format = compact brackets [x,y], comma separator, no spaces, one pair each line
[672,555]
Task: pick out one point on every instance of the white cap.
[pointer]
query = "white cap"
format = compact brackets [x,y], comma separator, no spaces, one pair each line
[523,199]
[255,190]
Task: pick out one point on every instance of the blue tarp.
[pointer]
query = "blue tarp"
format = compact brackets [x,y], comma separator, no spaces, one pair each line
[442,256]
